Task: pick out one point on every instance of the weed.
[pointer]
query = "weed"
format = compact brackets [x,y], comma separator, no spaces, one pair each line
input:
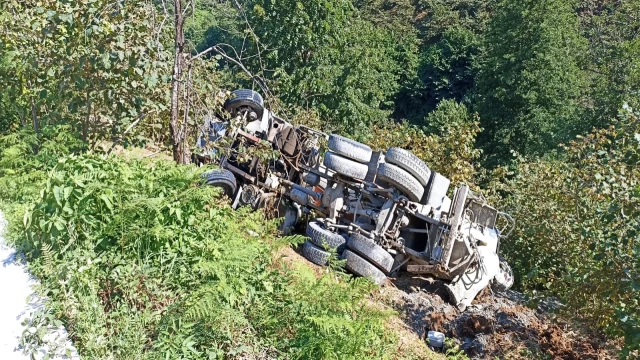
[141,262]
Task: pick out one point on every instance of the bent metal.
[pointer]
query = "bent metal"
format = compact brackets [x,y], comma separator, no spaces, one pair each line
[383,212]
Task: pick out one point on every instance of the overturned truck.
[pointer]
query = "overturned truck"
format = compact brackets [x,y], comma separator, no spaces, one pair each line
[382,212]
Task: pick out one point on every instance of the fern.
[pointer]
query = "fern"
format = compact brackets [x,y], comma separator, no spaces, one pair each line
[166,267]
[47,259]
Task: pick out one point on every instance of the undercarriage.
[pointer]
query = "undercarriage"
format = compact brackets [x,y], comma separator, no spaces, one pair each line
[382,212]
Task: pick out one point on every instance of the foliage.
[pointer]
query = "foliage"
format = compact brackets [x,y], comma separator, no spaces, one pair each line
[612,58]
[108,235]
[92,64]
[9,119]
[213,22]
[433,17]
[530,83]
[327,58]
[447,69]
[139,261]
[22,170]
[448,114]
[451,33]
[451,151]
[578,220]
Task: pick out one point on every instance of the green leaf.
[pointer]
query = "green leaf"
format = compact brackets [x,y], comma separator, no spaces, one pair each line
[106,201]
[57,193]
[67,192]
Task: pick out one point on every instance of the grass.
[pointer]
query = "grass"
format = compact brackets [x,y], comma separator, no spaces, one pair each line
[139,261]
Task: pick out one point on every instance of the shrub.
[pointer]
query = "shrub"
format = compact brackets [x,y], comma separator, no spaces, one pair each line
[140,261]
[578,232]
[451,151]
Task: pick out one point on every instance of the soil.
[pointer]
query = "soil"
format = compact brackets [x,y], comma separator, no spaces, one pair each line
[502,326]
[495,325]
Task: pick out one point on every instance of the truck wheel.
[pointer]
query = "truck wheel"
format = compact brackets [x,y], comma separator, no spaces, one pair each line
[402,180]
[349,148]
[221,178]
[369,250]
[321,236]
[315,254]
[504,279]
[409,163]
[345,166]
[362,267]
[245,98]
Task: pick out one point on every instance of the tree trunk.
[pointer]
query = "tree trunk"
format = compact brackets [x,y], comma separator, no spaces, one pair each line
[36,126]
[178,137]
[85,125]
[34,115]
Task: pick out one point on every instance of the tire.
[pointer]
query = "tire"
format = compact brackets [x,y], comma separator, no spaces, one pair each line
[372,252]
[315,254]
[503,281]
[349,148]
[402,180]
[221,178]
[436,190]
[362,267]
[409,163]
[245,97]
[321,236]
[345,166]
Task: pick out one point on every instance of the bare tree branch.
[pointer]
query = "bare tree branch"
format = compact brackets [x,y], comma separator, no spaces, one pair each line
[216,48]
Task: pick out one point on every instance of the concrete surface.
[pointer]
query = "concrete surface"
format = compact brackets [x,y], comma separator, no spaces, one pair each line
[17,302]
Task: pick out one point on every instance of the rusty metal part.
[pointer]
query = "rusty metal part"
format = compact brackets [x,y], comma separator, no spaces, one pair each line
[249,136]
[239,172]
[436,270]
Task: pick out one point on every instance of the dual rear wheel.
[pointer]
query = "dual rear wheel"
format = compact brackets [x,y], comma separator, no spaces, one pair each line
[363,256]
[401,169]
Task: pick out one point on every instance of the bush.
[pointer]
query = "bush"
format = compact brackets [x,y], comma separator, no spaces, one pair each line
[451,151]
[140,261]
[578,232]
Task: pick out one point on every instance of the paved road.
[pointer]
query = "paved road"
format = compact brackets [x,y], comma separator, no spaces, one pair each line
[15,289]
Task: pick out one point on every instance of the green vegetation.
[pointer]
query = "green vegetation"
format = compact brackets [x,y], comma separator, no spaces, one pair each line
[533,104]
[492,93]
[139,261]
[578,227]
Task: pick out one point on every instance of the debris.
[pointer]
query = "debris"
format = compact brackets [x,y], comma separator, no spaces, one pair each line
[498,326]
[436,339]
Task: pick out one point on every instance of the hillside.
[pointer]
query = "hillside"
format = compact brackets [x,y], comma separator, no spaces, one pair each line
[533,103]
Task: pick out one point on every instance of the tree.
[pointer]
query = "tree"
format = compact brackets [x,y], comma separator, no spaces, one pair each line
[613,58]
[450,33]
[577,234]
[319,54]
[93,66]
[433,17]
[446,71]
[530,84]
[448,114]
[178,127]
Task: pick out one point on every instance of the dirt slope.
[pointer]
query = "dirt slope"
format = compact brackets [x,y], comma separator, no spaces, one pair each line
[495,326]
